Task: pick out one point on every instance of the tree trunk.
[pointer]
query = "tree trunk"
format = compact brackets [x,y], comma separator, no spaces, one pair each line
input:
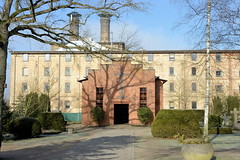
[207,101]
[3,66]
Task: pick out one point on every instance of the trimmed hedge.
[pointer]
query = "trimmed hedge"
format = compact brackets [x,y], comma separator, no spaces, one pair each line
[217,130]
[169,123]
[25,127]
[51,120]
[145,115]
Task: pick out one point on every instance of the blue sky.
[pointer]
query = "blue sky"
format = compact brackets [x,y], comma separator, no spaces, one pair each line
[154,29]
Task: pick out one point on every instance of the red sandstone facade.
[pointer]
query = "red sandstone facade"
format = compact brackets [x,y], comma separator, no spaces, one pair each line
[121,87]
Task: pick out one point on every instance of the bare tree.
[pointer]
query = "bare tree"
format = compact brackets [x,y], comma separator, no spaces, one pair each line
[39,20]
[131,40]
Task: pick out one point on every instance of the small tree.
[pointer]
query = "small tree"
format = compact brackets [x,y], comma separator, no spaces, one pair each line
[217,106]
[97,114]
[232,102]
[31,105]
[145,115]
[44,103]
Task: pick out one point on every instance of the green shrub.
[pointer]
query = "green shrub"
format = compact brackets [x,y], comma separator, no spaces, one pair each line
[219,130]
[97,114]
[6,119]
[169,123]
[25,127]
[145,115]
[50,120]
[214,121]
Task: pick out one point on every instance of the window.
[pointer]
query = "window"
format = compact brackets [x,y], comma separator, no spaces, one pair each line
[150,57]
[87,71]
[218,57]
[68,58]
[171,71]
[194,71]
[67,87]
[46,87]
[171,104]
[194,105]
[171,57]
[99,97]
[25,71]
[194,87]
[109,57]
[25,58]
[24,87]
[171,87]
[129,55]
[218,73]
[238,56]
[194,56]
[88,57]
[218,88]
[67,104]
[47,57]
[143,97]
[46,71]
[67,71]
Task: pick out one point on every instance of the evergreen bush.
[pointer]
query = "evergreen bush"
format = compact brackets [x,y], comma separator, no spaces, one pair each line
[219,130]
[97,114]
[52,121]
[25,127]
[214,121]
[169,123]
[145,115]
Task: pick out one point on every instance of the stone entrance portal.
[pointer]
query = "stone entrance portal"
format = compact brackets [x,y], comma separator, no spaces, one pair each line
[121,113]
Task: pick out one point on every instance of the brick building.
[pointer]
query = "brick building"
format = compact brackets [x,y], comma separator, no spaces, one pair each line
[120,89]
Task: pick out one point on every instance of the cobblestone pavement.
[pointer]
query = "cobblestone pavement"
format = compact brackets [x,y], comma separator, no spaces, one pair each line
[120,142]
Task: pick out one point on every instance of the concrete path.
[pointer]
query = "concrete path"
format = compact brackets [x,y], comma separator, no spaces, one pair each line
[121,142]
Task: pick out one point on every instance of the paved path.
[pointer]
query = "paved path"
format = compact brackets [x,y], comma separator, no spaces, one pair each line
[120,142]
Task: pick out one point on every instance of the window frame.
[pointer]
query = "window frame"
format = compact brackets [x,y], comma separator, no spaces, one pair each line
[68,57]
[24,71]
[171,87]
[67,87]
[171,71]
[194,56]
[67,71]
[47,57]
[143,96]
[218,57]
[194,105]
[88,57]
[194,87]
[67,104]
[46,87]
[46,71]
[99,96]
[219,88]
[171,105]
[194,71]
[218,73]
[24,87]
[150,57]
[171,56]
[25,57]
